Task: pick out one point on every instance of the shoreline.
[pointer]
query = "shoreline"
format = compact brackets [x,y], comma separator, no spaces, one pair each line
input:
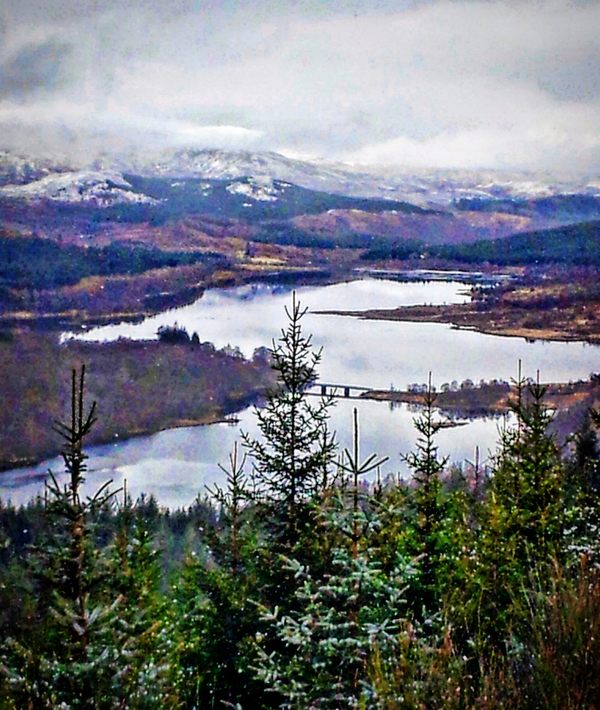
[127,378]
[464,317]
[205,420]
[73,318]
[490,399]
[187,293]
[456,316]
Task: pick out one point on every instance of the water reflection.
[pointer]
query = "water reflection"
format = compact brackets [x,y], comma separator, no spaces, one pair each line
[361,352]
[176,464]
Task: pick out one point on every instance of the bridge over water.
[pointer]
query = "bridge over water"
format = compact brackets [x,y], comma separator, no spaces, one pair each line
[329,389]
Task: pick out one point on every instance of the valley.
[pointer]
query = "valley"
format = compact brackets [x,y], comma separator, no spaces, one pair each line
[299,355]
[102,243]
[108,254]
[146,387]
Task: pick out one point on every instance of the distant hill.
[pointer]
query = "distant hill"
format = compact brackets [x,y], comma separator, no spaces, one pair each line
[577,244]
[558,208]
[95,188]
[251,199]
[20,170]
[270,198]
[425,187]
[134,198]
[394,226]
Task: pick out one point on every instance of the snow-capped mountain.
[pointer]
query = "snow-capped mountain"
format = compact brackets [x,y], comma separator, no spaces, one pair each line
[426,188]
[231,165]
[20,169]
[421,187]
[100,188]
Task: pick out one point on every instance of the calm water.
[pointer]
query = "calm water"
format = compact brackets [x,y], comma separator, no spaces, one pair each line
[176,464]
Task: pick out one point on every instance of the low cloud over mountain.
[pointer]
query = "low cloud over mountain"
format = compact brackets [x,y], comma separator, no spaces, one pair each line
[501,84]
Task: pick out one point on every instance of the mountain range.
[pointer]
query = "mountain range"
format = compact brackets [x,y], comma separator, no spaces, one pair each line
[268,197]
[424,188]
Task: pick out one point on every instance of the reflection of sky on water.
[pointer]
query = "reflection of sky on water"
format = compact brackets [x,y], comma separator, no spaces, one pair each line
[373,353]
[252,315]
[176,464]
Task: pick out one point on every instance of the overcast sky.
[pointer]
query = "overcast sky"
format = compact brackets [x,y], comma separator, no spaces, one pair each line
[494,83]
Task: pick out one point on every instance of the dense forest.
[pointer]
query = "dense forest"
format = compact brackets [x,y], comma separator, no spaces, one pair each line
[575,244]
[306,581]
[39,263]
[577,207]
[204,384]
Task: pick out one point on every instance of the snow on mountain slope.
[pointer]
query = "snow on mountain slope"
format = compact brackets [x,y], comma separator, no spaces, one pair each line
[101,188]
[262,189]
[230,165]
[423,187]
[20,169]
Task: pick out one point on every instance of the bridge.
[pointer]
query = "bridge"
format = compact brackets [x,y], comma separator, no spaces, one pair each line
[328,389]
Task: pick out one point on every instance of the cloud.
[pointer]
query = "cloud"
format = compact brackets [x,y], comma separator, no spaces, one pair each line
[463,82]
[82,135]
[32,68]
[483,147]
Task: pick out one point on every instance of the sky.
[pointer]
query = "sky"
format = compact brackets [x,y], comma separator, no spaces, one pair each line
[503,84]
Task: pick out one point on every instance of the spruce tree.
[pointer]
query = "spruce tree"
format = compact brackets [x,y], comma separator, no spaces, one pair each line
[529,474]
[522,523]
[214,614]
[429,539]
[340,613]
[74,666]
[101,637]
[292,460]
[143,629]
[233,499]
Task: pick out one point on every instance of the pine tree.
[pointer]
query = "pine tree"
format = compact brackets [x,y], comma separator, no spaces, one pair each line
[522,523]
[232,500]
[214,617]
[101,635]
[529,475]
[74,667]
[143,628]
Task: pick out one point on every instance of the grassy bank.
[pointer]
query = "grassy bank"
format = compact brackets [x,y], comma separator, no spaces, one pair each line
[491,398]
[562,306]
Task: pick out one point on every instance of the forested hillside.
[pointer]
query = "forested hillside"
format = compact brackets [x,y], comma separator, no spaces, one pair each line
[308,582]
[575,245]
[43,264]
